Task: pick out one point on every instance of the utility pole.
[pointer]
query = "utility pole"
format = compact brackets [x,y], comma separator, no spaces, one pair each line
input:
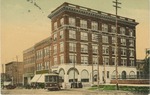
[17,67]
[74,46]
[116,44]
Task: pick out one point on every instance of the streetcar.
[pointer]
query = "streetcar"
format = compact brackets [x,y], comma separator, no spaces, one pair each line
[53,81]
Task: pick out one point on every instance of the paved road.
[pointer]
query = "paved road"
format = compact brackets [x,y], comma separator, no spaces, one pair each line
[61,92]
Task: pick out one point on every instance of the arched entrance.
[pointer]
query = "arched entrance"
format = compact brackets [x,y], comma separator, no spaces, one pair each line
[84,76]
[123,74]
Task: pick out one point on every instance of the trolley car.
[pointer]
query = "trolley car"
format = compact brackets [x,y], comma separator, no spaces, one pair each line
[53,81]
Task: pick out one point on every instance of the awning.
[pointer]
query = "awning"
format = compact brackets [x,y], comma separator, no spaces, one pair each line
[36,78]
[42,78]
[7,83]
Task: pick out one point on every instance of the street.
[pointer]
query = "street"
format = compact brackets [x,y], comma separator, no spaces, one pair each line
[61,92]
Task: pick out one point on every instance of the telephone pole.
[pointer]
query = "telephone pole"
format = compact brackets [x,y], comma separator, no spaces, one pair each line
[116,44]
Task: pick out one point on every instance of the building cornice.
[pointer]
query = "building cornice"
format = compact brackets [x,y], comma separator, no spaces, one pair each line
[91,13]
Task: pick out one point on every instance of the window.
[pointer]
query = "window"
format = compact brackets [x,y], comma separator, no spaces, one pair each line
[105,39]
[47,65]
[95,37]
[123,52]
[61,21]
[61,34]
[95,49]
[72,58]
[105,49]
[123,62]
[72,21]
[113,50]
[55,36]
[55,60]
[105,27]
[95,60]
[131,52]
[55,25]
[72,34]
[122,31]
[105,60]
[107,74]
[83,23]
[131,42]
[84,48]
[46,51]
[84,36]
[84,59]
[123,41]
[130,32]
[132,62]
[61,59]
[72,47]
[61,47]
[113,61]
[39,54]
[113,40]
[55,49]
[113,29]
[94,25]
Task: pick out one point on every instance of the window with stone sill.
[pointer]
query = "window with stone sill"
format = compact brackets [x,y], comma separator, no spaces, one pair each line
[61,59]
[131,32]
[72,58]
[131,52]
[113,40]
[113,29]
[132,62]
[84,59]
[61,34]
[55,25]
[105,60]
[61,21]
[94,25]
[113,61]
[55,60]
[55,36]
[122,31]
[95,37]
[83,23]
[95,60]
[95,49]
[72,34]
[124,62]
[61,46]
[105,49]
[84,48]
[105,39]
[104,27]
[123,52]
[72,21]
[84,36]
[72,47]
[55,49]
[123,41]
[131,42]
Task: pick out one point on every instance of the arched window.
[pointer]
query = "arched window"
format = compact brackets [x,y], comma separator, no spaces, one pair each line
[61,74]
[84,76]
[132,75]
[73,75]
[113,75]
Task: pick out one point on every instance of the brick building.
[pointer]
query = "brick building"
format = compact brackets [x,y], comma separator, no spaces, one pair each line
[29,65]
[14,72]
[83,40]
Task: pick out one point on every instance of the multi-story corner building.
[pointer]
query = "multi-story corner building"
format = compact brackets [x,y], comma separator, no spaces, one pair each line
[29,65]
[14,72]
[83,40]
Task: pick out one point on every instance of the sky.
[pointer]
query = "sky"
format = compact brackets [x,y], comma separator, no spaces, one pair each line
[24,23]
